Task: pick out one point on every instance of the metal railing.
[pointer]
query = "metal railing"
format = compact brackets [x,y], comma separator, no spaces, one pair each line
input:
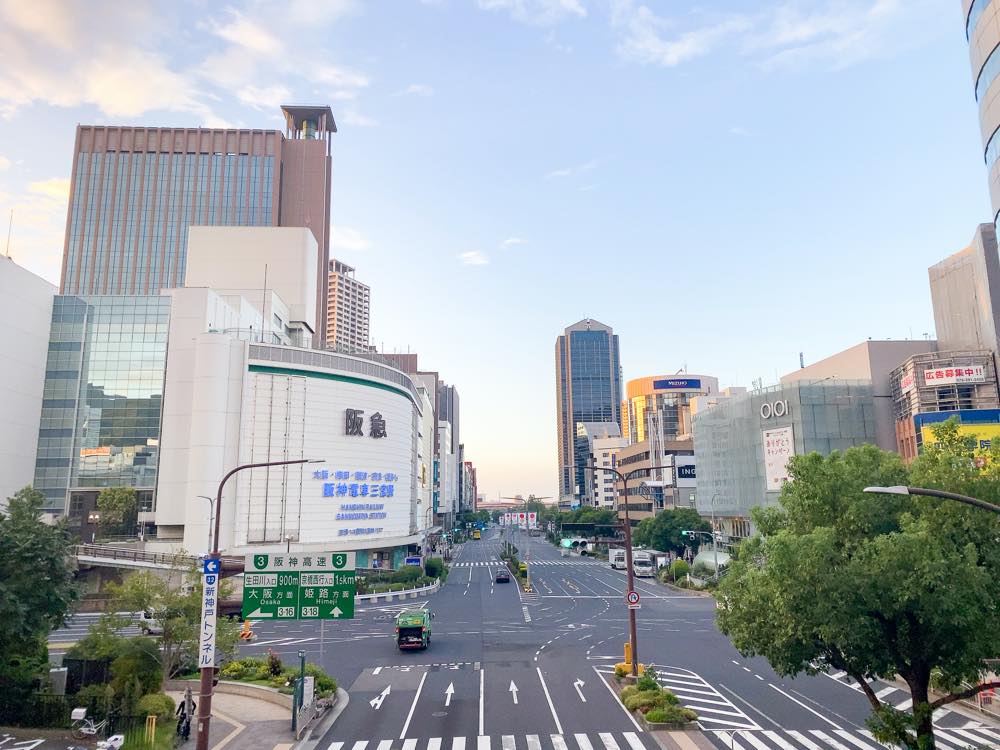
[164,559]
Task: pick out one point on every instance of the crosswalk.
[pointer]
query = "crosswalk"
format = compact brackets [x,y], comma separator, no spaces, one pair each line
[533,563]
[844,739]
[893,695]
[568,741]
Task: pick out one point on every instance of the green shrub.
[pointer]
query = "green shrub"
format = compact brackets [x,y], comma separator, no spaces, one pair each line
[96,699]
[325,684]
[678,569]
[139,660]
[156,704]
[434,566]
[628,692]
[406,574]
[621,670]
[648,680]
[701,570]
[671,715]
[644,700]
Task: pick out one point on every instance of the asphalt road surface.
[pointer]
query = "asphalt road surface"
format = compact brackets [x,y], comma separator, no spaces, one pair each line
[513,671]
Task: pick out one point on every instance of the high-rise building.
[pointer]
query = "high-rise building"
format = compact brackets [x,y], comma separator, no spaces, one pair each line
[135,191]
[982,29]
[347,313]
[448,411]
[658,408]
[588,389]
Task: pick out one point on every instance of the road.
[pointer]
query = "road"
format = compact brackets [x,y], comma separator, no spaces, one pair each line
[513,671]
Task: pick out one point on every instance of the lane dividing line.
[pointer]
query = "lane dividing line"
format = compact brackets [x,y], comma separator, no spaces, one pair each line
[482,706]
[413,705]
[548,697]
[750,705]
[807,708]
[616,699]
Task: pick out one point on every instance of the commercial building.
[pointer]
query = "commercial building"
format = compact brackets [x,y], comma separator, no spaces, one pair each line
[26,309]
[658,408]
[929,388]
[135,191]
[661,477]
[982,29]
[588,389]
[347,313]
[965,294]
[743,443]
[603,440]
[873,361]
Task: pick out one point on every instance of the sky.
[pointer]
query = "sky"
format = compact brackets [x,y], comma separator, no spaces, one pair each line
[726,183]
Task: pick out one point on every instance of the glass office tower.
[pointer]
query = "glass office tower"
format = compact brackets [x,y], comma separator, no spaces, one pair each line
[588,389]
[102,400]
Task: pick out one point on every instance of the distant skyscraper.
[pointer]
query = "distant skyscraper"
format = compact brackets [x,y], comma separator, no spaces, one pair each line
[135,191]
[588,389]
[983,32]
[347,314]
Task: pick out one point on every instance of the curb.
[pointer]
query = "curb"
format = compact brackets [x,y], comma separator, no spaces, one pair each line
[323,726]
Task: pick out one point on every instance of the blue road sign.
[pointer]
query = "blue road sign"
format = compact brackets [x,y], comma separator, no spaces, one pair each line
[212,565]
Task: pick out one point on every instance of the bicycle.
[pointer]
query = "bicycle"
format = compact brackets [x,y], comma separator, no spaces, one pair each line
[88,728]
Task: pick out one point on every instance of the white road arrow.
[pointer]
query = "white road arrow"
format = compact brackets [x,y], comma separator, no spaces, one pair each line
[579,684]
[258,615]
[448,693]
[513,691]
[336,611]
[377,700]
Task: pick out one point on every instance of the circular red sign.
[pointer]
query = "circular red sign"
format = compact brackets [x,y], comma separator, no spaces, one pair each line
[632,597]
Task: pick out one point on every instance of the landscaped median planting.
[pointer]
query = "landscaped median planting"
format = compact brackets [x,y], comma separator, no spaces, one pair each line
[653,703]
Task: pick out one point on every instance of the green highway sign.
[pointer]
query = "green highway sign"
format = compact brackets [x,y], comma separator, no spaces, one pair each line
[299,586]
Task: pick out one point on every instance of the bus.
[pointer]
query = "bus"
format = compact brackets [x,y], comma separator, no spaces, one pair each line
[477,534]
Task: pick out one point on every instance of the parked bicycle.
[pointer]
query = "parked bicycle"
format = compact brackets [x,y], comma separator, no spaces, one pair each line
[86,727]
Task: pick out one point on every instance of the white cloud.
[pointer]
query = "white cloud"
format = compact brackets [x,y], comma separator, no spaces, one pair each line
[572,171]
[835,33]
[245,32]
[473,258]
[347,238]
[353,117]
[513,242]
[537,12]
[54,187]
[4,162]
[416,89]
[587,188]
[265,98]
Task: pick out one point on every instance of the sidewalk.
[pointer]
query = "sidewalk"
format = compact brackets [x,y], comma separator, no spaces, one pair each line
[246,723]
[678,740]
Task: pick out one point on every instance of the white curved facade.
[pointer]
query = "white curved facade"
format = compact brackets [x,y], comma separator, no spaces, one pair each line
[982,22]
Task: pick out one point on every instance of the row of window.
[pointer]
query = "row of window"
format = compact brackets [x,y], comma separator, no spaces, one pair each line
[978,6]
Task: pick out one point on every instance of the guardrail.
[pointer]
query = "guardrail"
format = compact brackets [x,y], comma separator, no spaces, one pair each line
[388,596]
[152,559]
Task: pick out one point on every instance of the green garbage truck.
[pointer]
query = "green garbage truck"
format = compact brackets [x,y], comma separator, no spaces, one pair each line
[413,628]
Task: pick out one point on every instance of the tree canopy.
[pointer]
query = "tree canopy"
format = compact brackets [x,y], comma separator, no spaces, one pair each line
[117,506]
[876,585]
[36,587]
[663,531]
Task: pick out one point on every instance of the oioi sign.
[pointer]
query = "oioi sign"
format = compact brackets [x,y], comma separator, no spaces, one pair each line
[299,586]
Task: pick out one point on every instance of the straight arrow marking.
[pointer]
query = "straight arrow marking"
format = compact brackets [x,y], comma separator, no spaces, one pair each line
[376,702]
[579,684]
[513,691]
[448,693]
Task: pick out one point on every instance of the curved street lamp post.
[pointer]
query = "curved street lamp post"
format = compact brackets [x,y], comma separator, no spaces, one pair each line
[901,490]
[629,576]
[208,673]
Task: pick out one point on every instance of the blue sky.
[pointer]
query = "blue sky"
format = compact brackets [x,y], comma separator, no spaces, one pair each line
[726,183]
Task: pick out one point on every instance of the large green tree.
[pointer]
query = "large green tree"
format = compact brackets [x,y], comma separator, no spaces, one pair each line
[36,588]
[663,531]
[876,585]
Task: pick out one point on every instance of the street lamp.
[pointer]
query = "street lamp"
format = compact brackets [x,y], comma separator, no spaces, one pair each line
[901,490]
[629,577]
[211,513]
[207,673]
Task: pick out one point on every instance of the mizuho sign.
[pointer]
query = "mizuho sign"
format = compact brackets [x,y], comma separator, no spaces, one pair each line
[773,409]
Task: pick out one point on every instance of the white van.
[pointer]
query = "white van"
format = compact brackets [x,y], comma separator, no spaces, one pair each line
[149,624]
[616,558]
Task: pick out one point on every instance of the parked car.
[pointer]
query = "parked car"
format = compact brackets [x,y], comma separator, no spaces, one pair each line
[503,575]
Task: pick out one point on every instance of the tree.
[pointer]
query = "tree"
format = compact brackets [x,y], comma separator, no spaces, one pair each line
[178,611]
[36,588]
[663,531]
[117,506]
[875,585]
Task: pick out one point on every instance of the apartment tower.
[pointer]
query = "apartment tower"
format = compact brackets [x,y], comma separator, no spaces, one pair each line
[347,313]
[588,389]
[135,191]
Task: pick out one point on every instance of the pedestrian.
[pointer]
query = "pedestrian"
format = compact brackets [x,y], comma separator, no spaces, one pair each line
[185,712]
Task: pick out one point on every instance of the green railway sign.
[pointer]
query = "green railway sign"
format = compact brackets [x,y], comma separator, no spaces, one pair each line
[299,586]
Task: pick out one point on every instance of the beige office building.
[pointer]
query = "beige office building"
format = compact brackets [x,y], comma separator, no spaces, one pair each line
[347,310]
